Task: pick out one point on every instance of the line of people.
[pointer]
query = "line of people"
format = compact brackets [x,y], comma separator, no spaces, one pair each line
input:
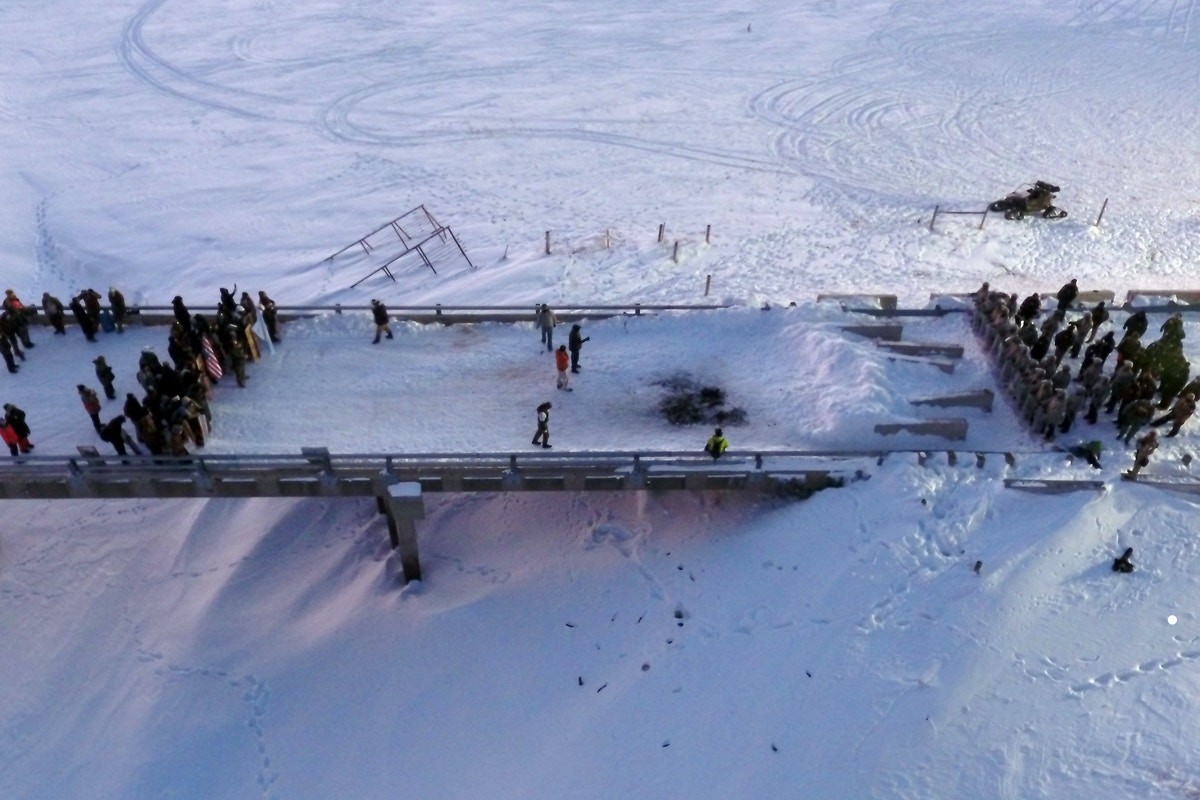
[1031,361]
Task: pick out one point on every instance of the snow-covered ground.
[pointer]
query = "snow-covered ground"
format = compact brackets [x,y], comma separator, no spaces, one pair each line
[594,645]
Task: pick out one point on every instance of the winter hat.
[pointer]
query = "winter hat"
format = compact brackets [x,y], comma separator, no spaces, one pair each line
[98,360]
[719,432]
[80,387]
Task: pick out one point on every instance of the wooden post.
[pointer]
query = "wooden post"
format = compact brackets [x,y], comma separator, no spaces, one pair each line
[607,238]
[1100,216]
[662,229]
[675,252]
[983,219]
[707,283]
[932,219]
[547,242]
[708,234]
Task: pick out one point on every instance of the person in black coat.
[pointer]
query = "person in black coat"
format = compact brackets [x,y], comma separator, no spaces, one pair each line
[1137,323]
[1067,294]
[575,343]
[16,418]
[380,313]
[114,434]
[82,318]
[104,374]
[181,313]
[7,352]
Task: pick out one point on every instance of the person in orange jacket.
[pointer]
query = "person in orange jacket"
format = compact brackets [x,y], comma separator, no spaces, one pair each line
[563,362]
[8,435]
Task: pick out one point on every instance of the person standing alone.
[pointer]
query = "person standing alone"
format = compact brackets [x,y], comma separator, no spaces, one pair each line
[561,362]
[575,343]
[379,310]
[542,435]
[546,322]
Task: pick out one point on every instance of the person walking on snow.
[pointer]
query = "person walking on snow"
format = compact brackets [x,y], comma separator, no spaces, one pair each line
[91,404]
[575,343]
[542,435]
[16,419]
[380,312]
[561,362]
[9,436]
[1180,413]
[114,434]
[1067,294]
[104,374]
[716,444]
[7,352]
[546,322]
[1145,448]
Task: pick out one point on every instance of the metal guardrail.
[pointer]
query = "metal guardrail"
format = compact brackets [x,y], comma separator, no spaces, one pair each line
[436,312]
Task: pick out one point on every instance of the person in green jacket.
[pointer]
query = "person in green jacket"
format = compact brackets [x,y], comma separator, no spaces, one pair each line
[716,444]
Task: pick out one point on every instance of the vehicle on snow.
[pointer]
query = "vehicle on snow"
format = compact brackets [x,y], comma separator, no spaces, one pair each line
[1035,198]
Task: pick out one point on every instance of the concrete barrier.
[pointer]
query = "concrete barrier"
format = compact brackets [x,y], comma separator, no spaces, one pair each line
[953,428]
[982,398]
[945,366]
[885,302]
[1046,486]
[891,333]
[922,349]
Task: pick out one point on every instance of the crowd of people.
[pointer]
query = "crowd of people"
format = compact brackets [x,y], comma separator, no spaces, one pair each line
[1054,367]
[173,410]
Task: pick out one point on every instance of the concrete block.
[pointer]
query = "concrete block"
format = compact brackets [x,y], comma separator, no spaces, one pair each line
[954,428]
[890,333]
[886,302]
[982,398]
[1053,486]
[922,349]
[943,366]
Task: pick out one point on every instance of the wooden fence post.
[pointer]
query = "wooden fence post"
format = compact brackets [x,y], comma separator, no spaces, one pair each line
[662,229]
[1100,216]
[675,252]
[547,242]
[933,219]
[708,234]
[707,283]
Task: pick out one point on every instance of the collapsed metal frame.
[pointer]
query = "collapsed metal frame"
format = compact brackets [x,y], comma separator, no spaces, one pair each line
[441,232]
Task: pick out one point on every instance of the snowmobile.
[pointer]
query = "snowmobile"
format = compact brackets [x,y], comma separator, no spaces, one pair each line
[1037,198]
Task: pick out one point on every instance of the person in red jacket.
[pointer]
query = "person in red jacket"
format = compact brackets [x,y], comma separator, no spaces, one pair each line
[563,362]
[91,404]
[8,435]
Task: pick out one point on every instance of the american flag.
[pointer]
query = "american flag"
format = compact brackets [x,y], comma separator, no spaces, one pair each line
[211,365]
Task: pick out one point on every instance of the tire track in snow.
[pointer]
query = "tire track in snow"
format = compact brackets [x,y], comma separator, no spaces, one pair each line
[156,72]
